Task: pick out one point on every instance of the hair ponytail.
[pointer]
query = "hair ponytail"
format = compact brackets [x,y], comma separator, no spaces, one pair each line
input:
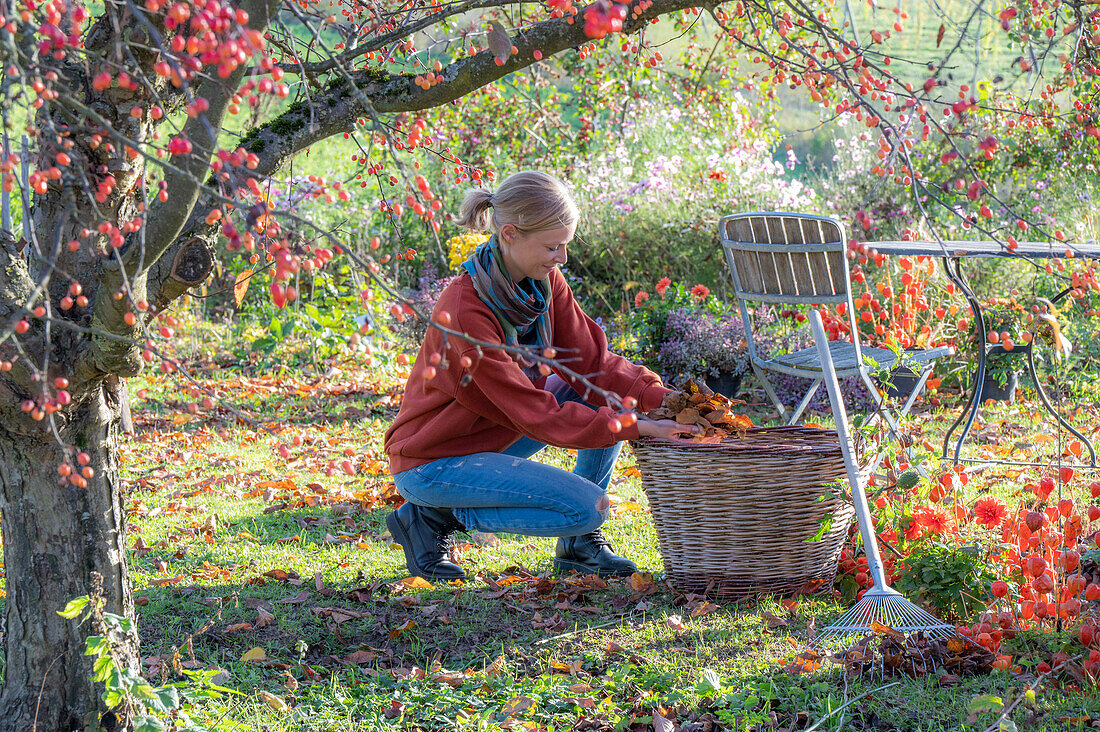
[476,211]
[530,200]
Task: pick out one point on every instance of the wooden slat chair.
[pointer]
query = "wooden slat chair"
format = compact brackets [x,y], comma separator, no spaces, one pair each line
[799,259]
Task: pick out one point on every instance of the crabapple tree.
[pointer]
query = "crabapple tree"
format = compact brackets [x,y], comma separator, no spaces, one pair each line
[131,183]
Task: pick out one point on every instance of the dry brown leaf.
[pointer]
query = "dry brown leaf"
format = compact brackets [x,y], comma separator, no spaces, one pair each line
[642,582]
[357,657]
[561,667]
[452,679]
[773,621]
[675,622]
[703,609]
[237,626]
[887,630]
[396,633]
[688,416]
[416,583]
[275,702]
[299,598]
[263,618]
[661,724]
[628,507]
[517,705]
[240,286]
[496,667]
[804,663]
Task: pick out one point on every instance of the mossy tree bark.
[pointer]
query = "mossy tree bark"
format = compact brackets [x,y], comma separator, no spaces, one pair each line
[57,537]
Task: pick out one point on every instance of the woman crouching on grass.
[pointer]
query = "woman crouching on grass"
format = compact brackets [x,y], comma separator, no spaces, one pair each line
[472,416]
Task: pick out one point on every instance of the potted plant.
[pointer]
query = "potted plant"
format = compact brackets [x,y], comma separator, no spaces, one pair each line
[1001,377]
[699,343]
[1006,342]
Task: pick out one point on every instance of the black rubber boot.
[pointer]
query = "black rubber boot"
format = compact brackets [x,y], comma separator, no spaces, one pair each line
[590,554]
[425,535]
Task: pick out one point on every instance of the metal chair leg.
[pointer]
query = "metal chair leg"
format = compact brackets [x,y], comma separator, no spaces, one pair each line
[805,401]
[770,390]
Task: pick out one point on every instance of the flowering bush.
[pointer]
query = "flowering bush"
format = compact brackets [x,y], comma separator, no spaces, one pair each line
[641,331]
[652,195]
[460,246]
[700,344]
[998,569]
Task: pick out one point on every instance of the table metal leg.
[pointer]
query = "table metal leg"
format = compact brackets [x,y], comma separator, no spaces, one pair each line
[1050,407]
[974,403]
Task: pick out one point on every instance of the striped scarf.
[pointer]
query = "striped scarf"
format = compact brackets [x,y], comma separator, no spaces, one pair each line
[520,308]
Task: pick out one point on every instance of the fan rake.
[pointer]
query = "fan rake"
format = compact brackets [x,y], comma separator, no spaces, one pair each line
[881,608]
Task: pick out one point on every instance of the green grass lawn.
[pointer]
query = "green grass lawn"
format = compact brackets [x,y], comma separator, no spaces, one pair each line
[235,548]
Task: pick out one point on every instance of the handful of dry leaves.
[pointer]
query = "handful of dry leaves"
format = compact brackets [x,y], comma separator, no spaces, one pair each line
[698,405]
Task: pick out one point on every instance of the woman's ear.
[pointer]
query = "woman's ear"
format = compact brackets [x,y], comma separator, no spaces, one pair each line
[508,233]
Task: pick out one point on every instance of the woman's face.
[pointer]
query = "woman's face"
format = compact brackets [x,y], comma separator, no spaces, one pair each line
[534,254]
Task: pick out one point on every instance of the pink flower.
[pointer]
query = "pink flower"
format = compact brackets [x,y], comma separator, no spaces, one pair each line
[641,297]
[662,285]
[700,292]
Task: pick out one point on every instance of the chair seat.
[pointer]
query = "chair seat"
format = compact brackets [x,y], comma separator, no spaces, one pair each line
[844,358]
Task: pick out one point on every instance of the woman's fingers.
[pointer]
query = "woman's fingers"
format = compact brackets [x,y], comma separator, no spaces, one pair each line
[674,429]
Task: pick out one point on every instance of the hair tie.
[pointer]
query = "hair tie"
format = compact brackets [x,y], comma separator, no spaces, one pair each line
[489,200]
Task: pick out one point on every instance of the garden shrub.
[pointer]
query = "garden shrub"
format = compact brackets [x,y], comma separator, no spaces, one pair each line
[953,582]
[651,200]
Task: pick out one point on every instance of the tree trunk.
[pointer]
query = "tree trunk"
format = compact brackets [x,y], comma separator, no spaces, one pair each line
[55,537]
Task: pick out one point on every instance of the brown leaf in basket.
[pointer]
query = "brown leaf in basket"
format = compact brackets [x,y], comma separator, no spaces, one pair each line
[717,417]
[688,416]
[698,387]
[741,422]
[698,399]
[662,413]
[675,401]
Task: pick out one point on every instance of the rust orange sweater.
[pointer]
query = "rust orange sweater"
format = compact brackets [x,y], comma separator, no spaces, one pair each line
[441,417]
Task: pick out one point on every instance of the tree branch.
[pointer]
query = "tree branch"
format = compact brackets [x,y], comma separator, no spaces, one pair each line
[184,179]
[378,42]
[370,91]
[166,220]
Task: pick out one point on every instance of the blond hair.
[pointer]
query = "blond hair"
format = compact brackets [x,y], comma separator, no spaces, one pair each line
[529,200]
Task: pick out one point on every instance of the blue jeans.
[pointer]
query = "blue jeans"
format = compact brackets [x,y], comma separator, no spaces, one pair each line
[506,492]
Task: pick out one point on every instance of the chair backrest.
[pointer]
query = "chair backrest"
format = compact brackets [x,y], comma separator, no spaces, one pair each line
[798,259]
[786,257]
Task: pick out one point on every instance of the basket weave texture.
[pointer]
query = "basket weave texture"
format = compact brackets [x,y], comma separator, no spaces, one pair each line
[734,517]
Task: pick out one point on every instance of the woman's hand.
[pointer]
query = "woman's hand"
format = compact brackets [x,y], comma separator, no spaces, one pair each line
[667,429]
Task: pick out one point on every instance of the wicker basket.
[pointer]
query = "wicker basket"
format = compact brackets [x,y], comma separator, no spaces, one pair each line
[735,517]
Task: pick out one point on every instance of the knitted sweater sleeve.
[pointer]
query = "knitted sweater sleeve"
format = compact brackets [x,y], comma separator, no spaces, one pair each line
[582,347]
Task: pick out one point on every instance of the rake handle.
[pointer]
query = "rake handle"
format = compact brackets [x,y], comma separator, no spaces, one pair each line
[859,498]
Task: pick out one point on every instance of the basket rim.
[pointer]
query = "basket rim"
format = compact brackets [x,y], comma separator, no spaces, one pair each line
[745,441]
